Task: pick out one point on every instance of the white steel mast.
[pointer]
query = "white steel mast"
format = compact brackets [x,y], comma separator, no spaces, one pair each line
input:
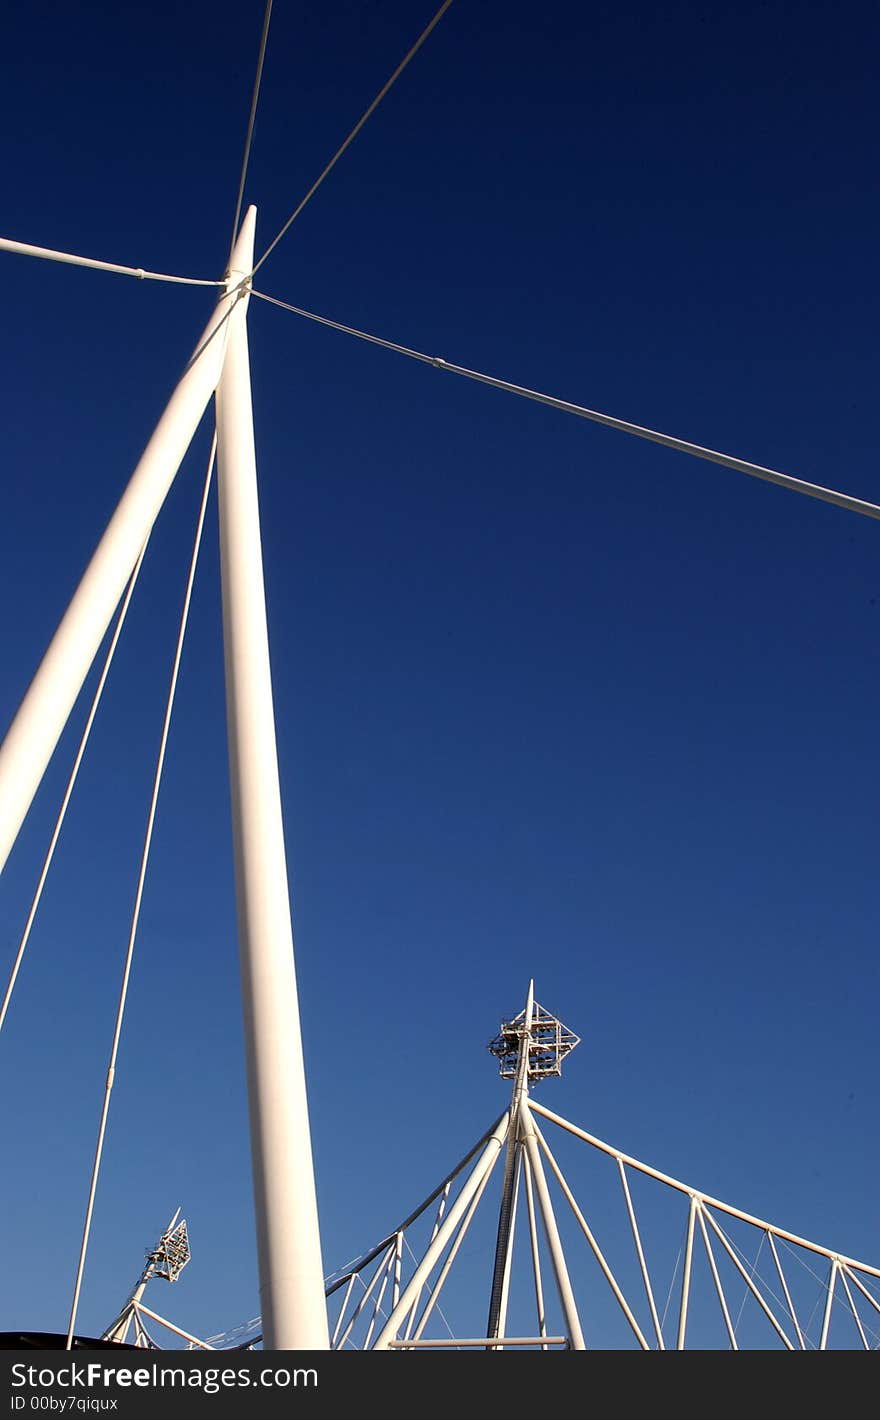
[291,1278]
[510,1187]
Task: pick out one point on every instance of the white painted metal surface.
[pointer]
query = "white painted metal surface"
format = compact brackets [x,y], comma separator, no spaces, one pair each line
[705,1199]
[167,1260]
[554,1242]
[288,1241]
[726,1296]
[486,1161]
[594,1246]
[507,1215]
[42,715]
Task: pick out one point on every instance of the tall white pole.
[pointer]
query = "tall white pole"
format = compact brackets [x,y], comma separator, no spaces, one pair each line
[42,715]
[504,1239]
[118,1329]
[293,1307]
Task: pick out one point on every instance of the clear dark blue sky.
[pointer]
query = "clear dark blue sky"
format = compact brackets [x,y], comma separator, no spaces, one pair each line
[550,702]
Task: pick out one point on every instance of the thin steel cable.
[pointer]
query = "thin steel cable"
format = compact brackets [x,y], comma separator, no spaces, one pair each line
[868,1294]
[754,1269]
[84,739]
[345,1296]
[70,259]
[684,446]
[786,1292]
[255,98]
[671,1287]
[364,1261]
[852,1306]
[222,327]
[823,1285]
[441,1209]
[816,1275]
[151,818]
[356,130]
[594,1246]
[437,1306]
[346,1340]
[385,1261]
[752,1265]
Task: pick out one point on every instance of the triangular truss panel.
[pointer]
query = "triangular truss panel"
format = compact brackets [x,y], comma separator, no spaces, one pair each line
[699,1274]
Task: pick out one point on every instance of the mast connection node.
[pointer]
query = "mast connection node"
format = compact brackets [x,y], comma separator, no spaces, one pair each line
[548,1042]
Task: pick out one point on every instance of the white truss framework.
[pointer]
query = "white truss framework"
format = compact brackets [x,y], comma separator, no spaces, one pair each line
[737,1281]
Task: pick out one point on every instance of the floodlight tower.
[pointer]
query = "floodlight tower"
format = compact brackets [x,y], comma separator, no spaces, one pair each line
[166,1260]
[529,1048]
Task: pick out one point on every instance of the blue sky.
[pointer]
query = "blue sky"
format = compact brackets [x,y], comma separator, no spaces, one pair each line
[550,702]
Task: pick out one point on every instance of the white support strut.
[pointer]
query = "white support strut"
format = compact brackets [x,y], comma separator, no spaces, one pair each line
[447,1265]
[409,1295]
[551,1231]
[43,713]
[536,1258]
[288,1242]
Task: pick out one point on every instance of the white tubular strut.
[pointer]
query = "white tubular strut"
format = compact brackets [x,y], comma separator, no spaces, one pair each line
[43,713]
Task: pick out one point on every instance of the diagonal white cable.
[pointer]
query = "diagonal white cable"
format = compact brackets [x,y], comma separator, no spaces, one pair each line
[823,1285]
[852,1306]
[671,1286]
[739,1258]
[151,817]
[53,842]
[669,441]
[48,254]
[752,1271]
[356,130]
[435,1304]
[255,98]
